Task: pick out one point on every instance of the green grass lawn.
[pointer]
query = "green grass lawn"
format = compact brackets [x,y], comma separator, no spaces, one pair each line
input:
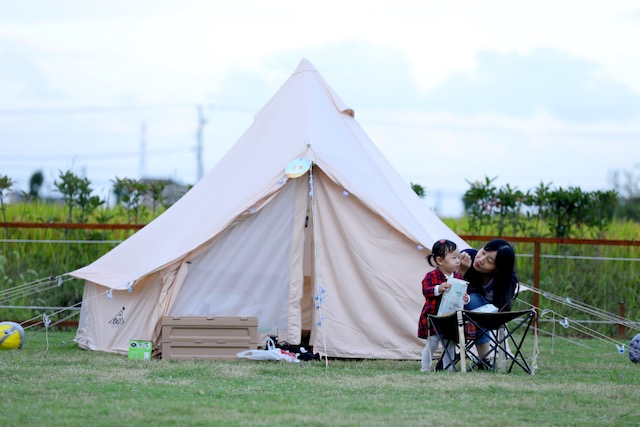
[65,386]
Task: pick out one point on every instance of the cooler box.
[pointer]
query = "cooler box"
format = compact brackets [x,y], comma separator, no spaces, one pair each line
[220,338]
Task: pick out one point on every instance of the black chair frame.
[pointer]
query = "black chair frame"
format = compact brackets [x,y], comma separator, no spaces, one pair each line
[452,328]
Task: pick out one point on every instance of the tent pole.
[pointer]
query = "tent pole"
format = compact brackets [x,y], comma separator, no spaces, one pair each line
[319,296]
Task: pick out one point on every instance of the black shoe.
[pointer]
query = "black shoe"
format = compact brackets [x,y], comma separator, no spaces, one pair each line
[484,365]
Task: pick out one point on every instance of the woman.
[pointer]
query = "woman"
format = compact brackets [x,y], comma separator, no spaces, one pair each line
[492,279]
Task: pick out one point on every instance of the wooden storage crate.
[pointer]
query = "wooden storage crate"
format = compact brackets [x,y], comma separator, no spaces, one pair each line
[189,337]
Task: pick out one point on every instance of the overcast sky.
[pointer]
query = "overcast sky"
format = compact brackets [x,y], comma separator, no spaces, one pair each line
[450,92]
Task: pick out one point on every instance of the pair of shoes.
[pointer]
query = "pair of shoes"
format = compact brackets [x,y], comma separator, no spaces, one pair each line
[484,365]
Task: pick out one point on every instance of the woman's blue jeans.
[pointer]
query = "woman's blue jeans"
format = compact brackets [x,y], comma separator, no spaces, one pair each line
[475,301]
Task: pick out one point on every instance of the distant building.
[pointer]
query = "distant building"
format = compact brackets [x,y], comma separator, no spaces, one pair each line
[171,193]
[21,197]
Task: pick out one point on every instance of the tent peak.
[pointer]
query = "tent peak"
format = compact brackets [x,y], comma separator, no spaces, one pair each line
[305,65]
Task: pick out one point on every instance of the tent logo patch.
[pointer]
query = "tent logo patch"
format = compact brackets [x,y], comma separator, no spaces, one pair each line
[118,319]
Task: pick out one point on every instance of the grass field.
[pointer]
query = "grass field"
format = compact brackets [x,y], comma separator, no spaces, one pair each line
[50,382]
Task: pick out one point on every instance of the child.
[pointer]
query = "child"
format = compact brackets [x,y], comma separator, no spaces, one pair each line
[446,258]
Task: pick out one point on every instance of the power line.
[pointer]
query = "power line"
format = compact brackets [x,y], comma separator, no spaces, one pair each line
[87,110]
[121,109]
[503,130]
[46,158]
[370,122]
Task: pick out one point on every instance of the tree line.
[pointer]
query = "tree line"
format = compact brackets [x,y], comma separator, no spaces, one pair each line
[506,210]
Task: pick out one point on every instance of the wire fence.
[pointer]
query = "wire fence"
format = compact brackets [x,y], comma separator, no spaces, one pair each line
[603,273]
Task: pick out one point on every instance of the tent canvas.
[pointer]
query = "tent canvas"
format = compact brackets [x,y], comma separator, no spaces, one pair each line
[338,251]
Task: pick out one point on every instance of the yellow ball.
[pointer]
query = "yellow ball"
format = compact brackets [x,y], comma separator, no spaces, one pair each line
[11,336]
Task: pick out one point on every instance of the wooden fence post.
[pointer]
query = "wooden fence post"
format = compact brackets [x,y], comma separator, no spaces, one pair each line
[621,328]
[536,278]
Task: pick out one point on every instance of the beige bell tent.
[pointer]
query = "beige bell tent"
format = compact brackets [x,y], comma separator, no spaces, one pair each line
[338,251]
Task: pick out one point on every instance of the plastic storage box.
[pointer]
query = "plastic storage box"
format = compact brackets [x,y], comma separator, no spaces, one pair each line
[220,338]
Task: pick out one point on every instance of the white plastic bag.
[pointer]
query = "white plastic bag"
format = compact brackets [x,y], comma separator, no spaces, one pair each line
[271,353]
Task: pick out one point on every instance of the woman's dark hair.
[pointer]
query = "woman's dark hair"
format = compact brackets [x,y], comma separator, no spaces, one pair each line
[440,249]
[504,277]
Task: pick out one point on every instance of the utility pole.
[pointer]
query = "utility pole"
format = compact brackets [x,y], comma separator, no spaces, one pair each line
[201,122]
[143,151]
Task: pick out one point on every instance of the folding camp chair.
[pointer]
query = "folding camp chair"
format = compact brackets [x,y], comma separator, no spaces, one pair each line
[464,328]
